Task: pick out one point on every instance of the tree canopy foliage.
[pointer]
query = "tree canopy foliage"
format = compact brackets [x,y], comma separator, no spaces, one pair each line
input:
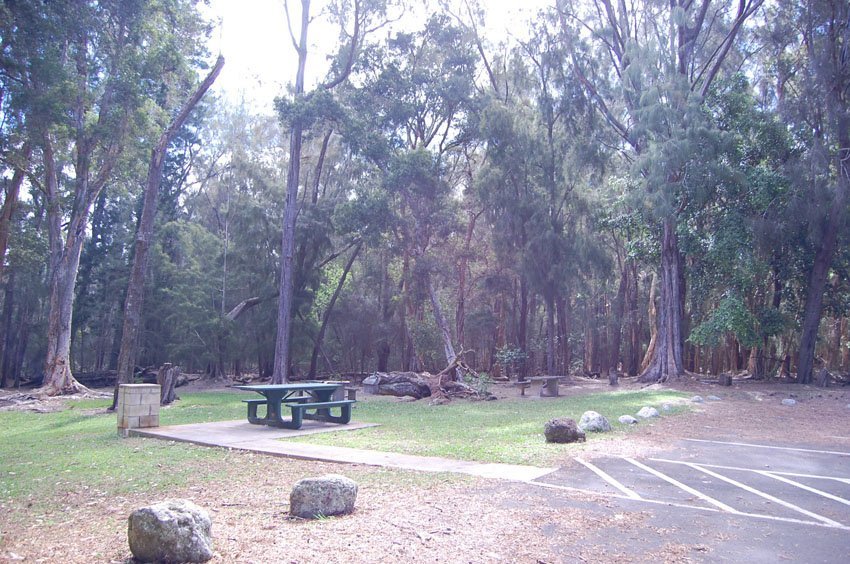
[649,188]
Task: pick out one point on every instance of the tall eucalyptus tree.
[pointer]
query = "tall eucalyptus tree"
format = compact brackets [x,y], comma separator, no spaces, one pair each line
[89,69]
[648,66]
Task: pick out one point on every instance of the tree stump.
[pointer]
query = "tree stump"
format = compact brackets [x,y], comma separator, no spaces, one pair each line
[167,377]
[725,379]
[613,377]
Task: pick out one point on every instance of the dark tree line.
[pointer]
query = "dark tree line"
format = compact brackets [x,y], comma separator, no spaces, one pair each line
[643,188]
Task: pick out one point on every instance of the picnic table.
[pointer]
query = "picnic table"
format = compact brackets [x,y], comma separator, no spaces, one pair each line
[305,400]
[548,385]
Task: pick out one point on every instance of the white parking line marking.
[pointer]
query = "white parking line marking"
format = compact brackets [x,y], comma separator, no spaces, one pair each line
[767,496]
[805,487]
[684,506]
[792,474]
[682,486]
[773,447]
[599,472]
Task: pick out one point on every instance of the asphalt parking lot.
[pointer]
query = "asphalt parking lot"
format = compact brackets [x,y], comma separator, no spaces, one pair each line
[754,502]
[771,482]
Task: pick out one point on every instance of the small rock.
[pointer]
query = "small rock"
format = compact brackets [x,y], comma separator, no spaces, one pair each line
[171,531]
[697,399]
[848,406]
[594,422]
[627,420]
[713,398]
[647,412]
[789,401]
[666,407]
[323,496]
[563,430]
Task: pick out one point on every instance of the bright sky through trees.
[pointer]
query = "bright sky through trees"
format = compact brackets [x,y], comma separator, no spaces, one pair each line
[253,38]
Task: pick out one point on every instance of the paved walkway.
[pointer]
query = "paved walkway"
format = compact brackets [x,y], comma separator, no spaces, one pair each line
[262,439]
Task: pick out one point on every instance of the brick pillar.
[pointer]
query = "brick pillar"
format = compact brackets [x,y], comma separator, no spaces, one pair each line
[138,407]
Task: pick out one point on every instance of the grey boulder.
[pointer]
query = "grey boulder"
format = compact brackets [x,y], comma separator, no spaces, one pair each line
[562,430]
[789,402]
[647,412]
[323,496]
[697,399]
[171,531]
[593,422]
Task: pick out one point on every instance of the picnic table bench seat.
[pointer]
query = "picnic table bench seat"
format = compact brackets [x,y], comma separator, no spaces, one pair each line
[322,409]
[253,404]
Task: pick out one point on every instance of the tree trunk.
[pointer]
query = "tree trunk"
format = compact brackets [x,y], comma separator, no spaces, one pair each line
[666,361]
[462,267]
[615,326]
[144,235]
[64,265]
[442,323]
[167,377]
[10,203]
[284,313]
[653,322]
[823,260]
[8,333]
[564,320]
[314,358]
[522,335]
[550,336]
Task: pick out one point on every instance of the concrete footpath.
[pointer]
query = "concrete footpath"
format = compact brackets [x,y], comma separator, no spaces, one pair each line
[266,440]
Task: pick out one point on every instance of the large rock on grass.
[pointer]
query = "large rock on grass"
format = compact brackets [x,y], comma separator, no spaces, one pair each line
[562,430]
[593,422]
[647,412]
[324,496]
[171,531]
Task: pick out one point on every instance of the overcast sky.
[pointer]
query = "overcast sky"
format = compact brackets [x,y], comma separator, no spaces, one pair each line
[260,60]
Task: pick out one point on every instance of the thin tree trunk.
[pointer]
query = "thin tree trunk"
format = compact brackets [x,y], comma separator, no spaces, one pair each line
[314,358]
[442,323]
[823,258]
[550,336]
[522,335]
[144,235]
[10,203]
[8,333]
[667,358]
[463,266]
[615,325]
[653,323]
[287,285]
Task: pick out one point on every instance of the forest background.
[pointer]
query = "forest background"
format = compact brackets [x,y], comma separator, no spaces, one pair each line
[644,187]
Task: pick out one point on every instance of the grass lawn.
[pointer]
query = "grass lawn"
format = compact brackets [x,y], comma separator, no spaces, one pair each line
[506,430]
[45,454]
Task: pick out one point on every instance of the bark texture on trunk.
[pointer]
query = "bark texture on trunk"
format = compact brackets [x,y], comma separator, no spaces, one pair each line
[666,361]
[287,274]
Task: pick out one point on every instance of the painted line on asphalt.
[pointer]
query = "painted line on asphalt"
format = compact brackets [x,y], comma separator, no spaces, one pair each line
[680,485]
[805,487]
[685,506]
[602,474]
[837,453]
[792,474]
[766,496]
